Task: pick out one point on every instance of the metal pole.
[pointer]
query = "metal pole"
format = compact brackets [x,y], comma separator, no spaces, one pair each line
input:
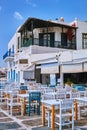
[32,32]
[60,70]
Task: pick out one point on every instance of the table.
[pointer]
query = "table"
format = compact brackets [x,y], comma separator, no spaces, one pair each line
[84,99]
[51,105]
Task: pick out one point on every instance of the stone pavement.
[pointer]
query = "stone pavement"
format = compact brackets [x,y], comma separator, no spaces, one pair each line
[18,122]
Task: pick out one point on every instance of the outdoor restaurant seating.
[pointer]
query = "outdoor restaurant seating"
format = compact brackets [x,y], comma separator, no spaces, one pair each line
[26,100]
[13,106]
[82,108]
[65,115]
[34,103]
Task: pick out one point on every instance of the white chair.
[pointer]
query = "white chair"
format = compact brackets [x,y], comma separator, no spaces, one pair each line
[13,106]
[61,95]
[82,108]
[2,95]
[65,116]
[48,117]
[75,94]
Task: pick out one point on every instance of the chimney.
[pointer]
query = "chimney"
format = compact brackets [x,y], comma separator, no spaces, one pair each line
[61,19]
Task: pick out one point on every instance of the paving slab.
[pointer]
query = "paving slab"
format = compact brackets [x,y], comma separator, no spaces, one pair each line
[11,125]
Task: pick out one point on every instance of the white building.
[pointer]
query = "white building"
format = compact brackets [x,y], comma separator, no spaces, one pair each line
[38,41]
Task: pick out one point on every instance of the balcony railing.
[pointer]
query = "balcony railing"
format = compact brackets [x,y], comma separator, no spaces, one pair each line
[8,54]
[56,44]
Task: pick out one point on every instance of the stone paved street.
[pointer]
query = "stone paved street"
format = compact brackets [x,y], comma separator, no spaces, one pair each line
[18,122]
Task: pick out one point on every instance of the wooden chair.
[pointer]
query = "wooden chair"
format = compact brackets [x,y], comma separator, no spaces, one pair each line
[23,87]
[13,106]
[34,102]
[61,95]
[21,92]
[82,108]
[2,95]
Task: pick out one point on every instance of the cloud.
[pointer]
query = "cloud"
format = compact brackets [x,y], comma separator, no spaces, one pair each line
[0,8]
[31,3]
[17,15]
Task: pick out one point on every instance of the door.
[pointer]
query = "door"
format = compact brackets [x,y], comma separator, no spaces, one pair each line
[40,39]
[63,39]
[43,37]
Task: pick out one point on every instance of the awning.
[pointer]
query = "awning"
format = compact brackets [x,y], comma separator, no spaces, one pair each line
[85,67]
[30,68]
[49,68]
[72,68]
[29,73]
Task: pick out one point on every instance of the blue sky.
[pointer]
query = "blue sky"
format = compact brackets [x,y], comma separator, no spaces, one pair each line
[14,13]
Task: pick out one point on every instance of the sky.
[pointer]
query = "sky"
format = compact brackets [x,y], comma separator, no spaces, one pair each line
[14,13]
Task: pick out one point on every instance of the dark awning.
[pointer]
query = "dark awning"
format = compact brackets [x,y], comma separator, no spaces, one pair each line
[39,23]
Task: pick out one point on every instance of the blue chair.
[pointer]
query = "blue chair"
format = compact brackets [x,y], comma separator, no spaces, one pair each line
[23,88]
[80,88]
[34,102]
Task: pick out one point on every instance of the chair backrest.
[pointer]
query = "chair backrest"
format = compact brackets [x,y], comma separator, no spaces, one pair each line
[12,97]
[23,88]
[75,94]
[66,104]
[35,96]
[61,96]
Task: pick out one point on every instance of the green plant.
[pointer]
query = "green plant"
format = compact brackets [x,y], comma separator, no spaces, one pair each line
[69,82]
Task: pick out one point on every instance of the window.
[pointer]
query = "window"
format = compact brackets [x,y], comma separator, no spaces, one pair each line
[23,61]
[84,40]
[45,39]
[12,49]
[64,39]
[18,42]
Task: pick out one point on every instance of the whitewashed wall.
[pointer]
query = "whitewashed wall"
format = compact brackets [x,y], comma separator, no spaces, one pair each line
[82,28]
[14,42]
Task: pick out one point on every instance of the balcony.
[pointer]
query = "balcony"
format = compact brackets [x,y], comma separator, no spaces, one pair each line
[8,56]
[54,44]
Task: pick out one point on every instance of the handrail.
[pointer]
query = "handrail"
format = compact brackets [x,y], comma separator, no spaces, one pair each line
[56,44]
[8,54]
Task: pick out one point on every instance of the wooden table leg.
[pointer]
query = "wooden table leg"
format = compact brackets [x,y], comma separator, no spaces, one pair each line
[70,119]
[24,106]
[43,114]
[53,118]
[76,110]
[23,111]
